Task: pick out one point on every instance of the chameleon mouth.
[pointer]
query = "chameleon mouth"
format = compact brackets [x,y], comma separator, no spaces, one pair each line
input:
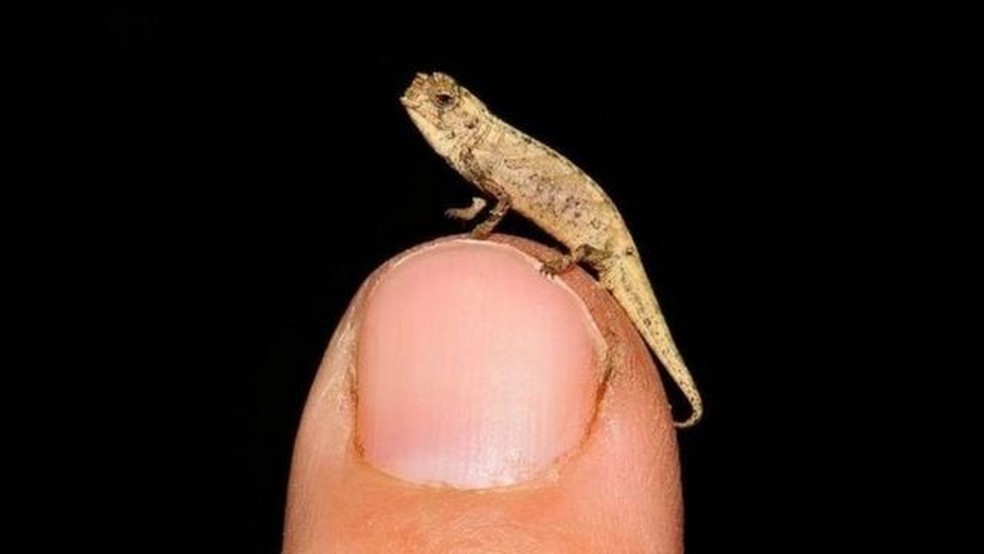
[408,102]
[426,126]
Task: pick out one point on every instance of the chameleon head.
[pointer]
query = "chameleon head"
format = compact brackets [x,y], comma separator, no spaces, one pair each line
[444,111]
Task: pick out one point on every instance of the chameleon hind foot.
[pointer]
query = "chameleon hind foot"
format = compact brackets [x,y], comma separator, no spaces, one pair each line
[583,253]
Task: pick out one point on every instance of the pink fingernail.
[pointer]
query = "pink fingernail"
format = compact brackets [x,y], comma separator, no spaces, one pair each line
[474,370]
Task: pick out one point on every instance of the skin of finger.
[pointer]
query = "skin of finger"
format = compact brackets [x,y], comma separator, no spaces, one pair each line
[618,492]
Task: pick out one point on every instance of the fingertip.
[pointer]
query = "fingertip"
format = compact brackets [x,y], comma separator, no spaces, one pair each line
[571,442]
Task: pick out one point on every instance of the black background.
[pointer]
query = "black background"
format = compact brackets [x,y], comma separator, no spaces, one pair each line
[195,195]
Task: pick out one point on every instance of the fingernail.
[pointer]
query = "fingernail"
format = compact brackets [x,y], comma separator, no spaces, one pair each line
[473,369]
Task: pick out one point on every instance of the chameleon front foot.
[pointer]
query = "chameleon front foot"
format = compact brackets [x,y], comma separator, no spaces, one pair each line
[469,213]
[482,231]
[502,205]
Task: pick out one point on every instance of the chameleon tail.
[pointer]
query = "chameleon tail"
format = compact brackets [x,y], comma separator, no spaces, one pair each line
[642,308]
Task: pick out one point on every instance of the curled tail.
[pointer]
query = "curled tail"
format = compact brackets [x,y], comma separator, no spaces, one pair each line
[629,285]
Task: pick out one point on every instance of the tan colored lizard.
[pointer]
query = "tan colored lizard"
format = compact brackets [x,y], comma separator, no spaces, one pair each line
[531,178]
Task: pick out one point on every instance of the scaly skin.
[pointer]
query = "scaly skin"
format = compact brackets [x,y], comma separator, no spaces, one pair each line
[530,177]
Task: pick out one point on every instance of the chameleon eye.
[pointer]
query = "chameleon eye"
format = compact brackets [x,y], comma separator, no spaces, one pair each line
[443,99]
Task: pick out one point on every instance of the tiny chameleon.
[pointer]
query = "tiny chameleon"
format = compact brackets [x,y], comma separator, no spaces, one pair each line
[525,175]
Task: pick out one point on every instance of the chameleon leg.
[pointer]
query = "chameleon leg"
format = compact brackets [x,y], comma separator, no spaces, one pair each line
[467,214]
[502,204]
[583,252]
